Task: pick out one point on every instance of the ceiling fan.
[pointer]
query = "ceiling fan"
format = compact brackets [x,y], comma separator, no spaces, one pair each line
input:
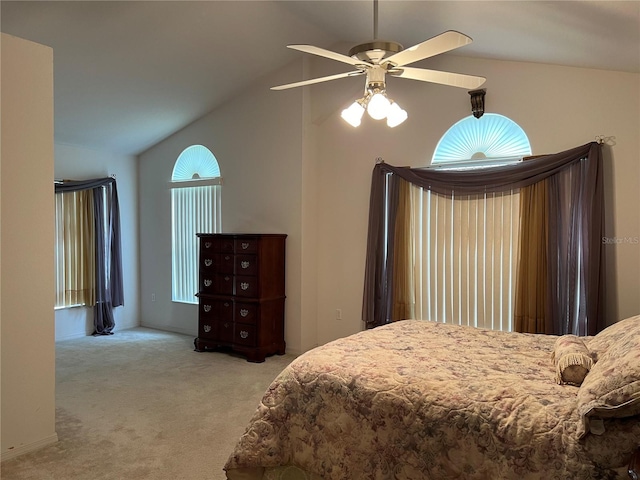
[379,58]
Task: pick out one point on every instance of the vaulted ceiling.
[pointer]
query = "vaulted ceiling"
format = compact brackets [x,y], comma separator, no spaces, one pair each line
[129,73]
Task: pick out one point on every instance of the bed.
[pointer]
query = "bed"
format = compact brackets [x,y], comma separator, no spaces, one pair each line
[425,400]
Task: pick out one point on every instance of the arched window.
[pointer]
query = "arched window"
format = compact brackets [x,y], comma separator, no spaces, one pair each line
[468,244]
[489,140]
[195,208]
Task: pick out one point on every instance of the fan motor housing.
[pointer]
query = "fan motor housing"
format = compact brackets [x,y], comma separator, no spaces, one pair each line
[375,51]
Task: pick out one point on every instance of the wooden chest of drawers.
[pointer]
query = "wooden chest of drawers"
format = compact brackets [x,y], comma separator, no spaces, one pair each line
[241,294]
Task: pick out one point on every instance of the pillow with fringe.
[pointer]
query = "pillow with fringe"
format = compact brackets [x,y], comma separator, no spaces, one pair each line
[572,360]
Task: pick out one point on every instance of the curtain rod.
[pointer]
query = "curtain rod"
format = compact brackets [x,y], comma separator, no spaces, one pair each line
[603,139]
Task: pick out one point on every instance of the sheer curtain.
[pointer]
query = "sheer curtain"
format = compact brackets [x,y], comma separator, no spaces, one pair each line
[107,253]
[574,200]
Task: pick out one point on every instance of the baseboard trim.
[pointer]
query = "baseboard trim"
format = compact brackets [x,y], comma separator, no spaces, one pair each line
[71,336]
[164,328]
[22,449]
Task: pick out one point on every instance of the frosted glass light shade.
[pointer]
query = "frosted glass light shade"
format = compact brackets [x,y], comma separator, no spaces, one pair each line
[378,106]
[396,115]
[353,114]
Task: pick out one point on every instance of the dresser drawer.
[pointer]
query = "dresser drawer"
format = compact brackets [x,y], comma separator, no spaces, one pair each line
[245,335]
[207,281]
[246,265]
[208,328]
[216,262]
[224,309]
[246,286]
[246,313]
[225,263]
[225,331]
[224,284]
[208,260]
[207,308]
[246,245]
[223,245]
[217,309]
[207,245]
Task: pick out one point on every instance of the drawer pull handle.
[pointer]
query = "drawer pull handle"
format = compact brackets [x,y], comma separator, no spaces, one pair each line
[227,258]
[226,279]
[206,308]
[207,244]
[244,334]
[208,262]
[226,325]
[245,264]
[207,282]
[244,285]
[226,304]
[207,328]
[244,312]
[245,245]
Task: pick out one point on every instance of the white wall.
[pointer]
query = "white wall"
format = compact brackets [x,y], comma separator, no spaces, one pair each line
[291,164]
[27,359]
[77,163]
[558,107]
[257,140]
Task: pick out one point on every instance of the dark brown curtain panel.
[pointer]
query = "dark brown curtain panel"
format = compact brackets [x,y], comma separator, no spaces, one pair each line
[403,297]
[109,291]
[574,202]
[531,283]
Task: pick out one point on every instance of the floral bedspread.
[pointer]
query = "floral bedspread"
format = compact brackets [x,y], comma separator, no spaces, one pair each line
[425,400]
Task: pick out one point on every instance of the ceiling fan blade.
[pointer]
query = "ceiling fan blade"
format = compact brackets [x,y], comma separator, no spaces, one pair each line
[444,78]
[444,42]
[321,52]
[317,80]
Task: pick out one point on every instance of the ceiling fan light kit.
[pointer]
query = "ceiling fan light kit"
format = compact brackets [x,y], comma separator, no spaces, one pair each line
[378,58]
[378,106]
[396,115]
[353,114]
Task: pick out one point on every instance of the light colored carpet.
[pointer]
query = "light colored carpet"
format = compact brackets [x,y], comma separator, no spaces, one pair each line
[142,404]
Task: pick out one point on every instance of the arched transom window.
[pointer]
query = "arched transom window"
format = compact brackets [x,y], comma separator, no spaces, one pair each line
[489,140]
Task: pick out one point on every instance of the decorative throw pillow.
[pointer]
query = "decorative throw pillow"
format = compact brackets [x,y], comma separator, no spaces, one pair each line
[572,360]
[612,388]
[600,343]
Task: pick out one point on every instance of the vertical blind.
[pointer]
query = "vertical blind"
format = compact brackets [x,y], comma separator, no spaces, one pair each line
[465,257]
[193,210]
[74,249]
